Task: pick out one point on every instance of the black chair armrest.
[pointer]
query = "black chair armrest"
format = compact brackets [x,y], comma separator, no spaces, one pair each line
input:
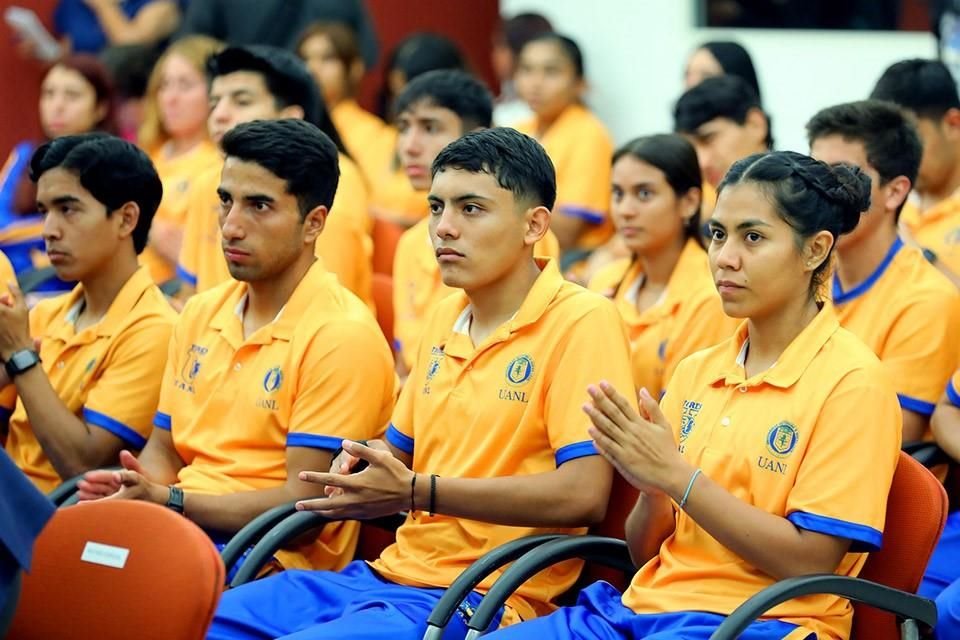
[290,528]
[926,453]
[476,573]
[904,605]
[610,552]
[253,531]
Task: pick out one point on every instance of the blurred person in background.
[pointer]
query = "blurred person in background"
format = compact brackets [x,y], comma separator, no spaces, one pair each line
[509,38]
[76,96]
[174,135]
[720,58]
[331,51]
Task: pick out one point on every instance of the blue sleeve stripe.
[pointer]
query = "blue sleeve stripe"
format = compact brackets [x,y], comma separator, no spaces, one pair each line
[397,345]
[589,215]
[399,440]
[313,441]
[952,394]
[162,421]
[115,427]
[922,407]
[576,450]
[186,276]
[864,538]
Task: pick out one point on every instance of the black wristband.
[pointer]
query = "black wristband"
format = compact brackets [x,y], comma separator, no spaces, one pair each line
[175,501]
[413,488]
[361,464]
[433,493]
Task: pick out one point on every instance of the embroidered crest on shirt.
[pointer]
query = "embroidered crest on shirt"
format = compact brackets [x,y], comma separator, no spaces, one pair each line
[436,357]
[191,367]
[518,374]
[272,380]
[781,441]
[688,420]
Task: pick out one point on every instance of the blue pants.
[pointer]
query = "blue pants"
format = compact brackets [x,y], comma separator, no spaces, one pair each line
[599,615]
[354,604]
[942,579]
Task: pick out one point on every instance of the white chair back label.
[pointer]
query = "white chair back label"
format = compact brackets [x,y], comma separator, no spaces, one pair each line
[105,554]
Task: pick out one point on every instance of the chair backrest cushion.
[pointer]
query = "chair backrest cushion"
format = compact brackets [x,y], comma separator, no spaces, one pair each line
[119,569]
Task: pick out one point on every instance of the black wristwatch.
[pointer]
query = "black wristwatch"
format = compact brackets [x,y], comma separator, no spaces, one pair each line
[175,501]
[21,361]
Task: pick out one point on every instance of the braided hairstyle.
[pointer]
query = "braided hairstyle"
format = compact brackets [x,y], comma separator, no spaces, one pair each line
[809,195]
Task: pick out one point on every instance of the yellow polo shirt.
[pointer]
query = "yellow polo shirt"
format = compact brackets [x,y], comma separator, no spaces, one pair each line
[418,287]
[509,406]
[937,229]
[688,317]
[953,389]
[108,374]
[908,313]
[796,441]
[581,150]
[368,139]
[178,176]
[319,373]
[344,244]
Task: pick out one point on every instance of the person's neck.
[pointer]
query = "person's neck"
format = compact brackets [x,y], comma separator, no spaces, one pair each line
[932,197]
[265,298]
[770,336]
[185,144]
[658,266]
[101,288]
[855,264]
[544,122]
[497,303]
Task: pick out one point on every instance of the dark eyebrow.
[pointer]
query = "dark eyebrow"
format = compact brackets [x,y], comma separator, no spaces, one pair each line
[746,224]
[472,196]
[59,201]
[259,197]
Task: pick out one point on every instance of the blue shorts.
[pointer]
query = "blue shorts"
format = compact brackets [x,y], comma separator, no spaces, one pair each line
[353,604]
[599,615]
[944,566]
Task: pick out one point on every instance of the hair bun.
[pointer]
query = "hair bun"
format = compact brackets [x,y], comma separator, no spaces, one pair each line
[851,194]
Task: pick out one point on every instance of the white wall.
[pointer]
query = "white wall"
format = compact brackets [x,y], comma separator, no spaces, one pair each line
[635,52]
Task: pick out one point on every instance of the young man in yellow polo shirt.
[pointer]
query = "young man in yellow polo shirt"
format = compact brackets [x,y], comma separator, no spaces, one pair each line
[433,110]
[724,121]
[267,373]
[928,92]
[103,346]
[487,443]
[886,293]
[265,83]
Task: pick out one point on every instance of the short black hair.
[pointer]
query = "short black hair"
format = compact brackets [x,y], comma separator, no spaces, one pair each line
[515,160]
[287,78]
[567,45]
[293,150]
[809,195]
[518,30]
[457,91]
[925,87]
[422,52]
[891,141]
[729,97]
[114,171]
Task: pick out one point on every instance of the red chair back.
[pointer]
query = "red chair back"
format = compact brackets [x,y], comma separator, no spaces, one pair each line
[383,300]
[119,569]
[916,514]
[385,237]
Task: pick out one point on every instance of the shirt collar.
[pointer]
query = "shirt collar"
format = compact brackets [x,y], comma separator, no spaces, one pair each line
[543,292]
[127,298]
[229,319]
[840,296]
[791,364]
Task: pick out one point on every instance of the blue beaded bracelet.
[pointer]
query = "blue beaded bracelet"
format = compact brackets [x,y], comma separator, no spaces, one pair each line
[686,494]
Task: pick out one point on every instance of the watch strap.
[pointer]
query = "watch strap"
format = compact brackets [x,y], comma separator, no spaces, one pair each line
[175,501]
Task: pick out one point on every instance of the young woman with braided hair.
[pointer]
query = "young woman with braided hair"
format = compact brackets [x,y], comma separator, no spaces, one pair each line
[750,469]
